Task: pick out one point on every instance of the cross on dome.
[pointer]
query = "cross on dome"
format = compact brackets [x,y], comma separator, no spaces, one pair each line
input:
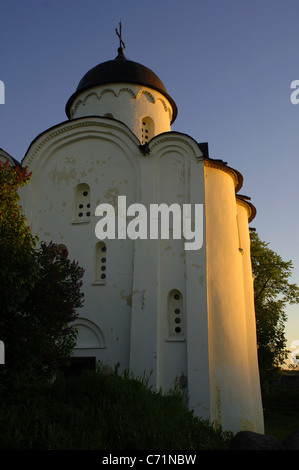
[121,42]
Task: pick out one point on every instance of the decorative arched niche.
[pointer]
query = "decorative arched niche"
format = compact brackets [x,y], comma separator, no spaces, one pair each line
[90,336]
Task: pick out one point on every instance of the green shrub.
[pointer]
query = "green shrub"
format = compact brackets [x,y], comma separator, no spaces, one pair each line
[281,412]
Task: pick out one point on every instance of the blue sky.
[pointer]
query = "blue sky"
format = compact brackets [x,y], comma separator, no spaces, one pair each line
[228,64]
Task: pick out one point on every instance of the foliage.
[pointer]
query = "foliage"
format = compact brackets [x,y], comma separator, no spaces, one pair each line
[16,231]
[272,292]
[281,413]
[39,287]
[17,265]
[100,411]
[38,334]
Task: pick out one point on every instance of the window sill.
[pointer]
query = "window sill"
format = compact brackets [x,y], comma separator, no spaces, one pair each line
[85,221]
[173,339]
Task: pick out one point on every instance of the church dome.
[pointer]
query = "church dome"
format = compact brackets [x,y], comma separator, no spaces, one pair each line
[121,70]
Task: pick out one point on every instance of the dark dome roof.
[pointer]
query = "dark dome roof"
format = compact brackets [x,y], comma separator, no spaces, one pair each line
[121,70]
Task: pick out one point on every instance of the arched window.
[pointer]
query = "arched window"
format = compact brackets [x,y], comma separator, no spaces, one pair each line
[81,210]
[175,314]
[100,265]
[147,129]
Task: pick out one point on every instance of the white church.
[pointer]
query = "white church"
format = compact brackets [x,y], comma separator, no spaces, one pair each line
[182,317]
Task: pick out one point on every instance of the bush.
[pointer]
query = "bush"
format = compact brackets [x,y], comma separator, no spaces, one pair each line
[40,287]
[281,412]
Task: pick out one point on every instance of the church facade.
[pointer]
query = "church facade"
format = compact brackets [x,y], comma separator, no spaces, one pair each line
[180,317]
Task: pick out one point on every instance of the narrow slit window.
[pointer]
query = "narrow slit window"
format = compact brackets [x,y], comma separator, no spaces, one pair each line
[81,207]
[147,129]
[175,314]
[100,271]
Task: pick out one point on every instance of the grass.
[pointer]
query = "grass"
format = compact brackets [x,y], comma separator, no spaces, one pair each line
[100,412]
[281,411]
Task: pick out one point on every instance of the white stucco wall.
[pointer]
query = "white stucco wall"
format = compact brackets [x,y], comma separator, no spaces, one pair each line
[230,369]
[171,173]
[127,103]
[125,319]
[84,152]
[4,156]
[243,214]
